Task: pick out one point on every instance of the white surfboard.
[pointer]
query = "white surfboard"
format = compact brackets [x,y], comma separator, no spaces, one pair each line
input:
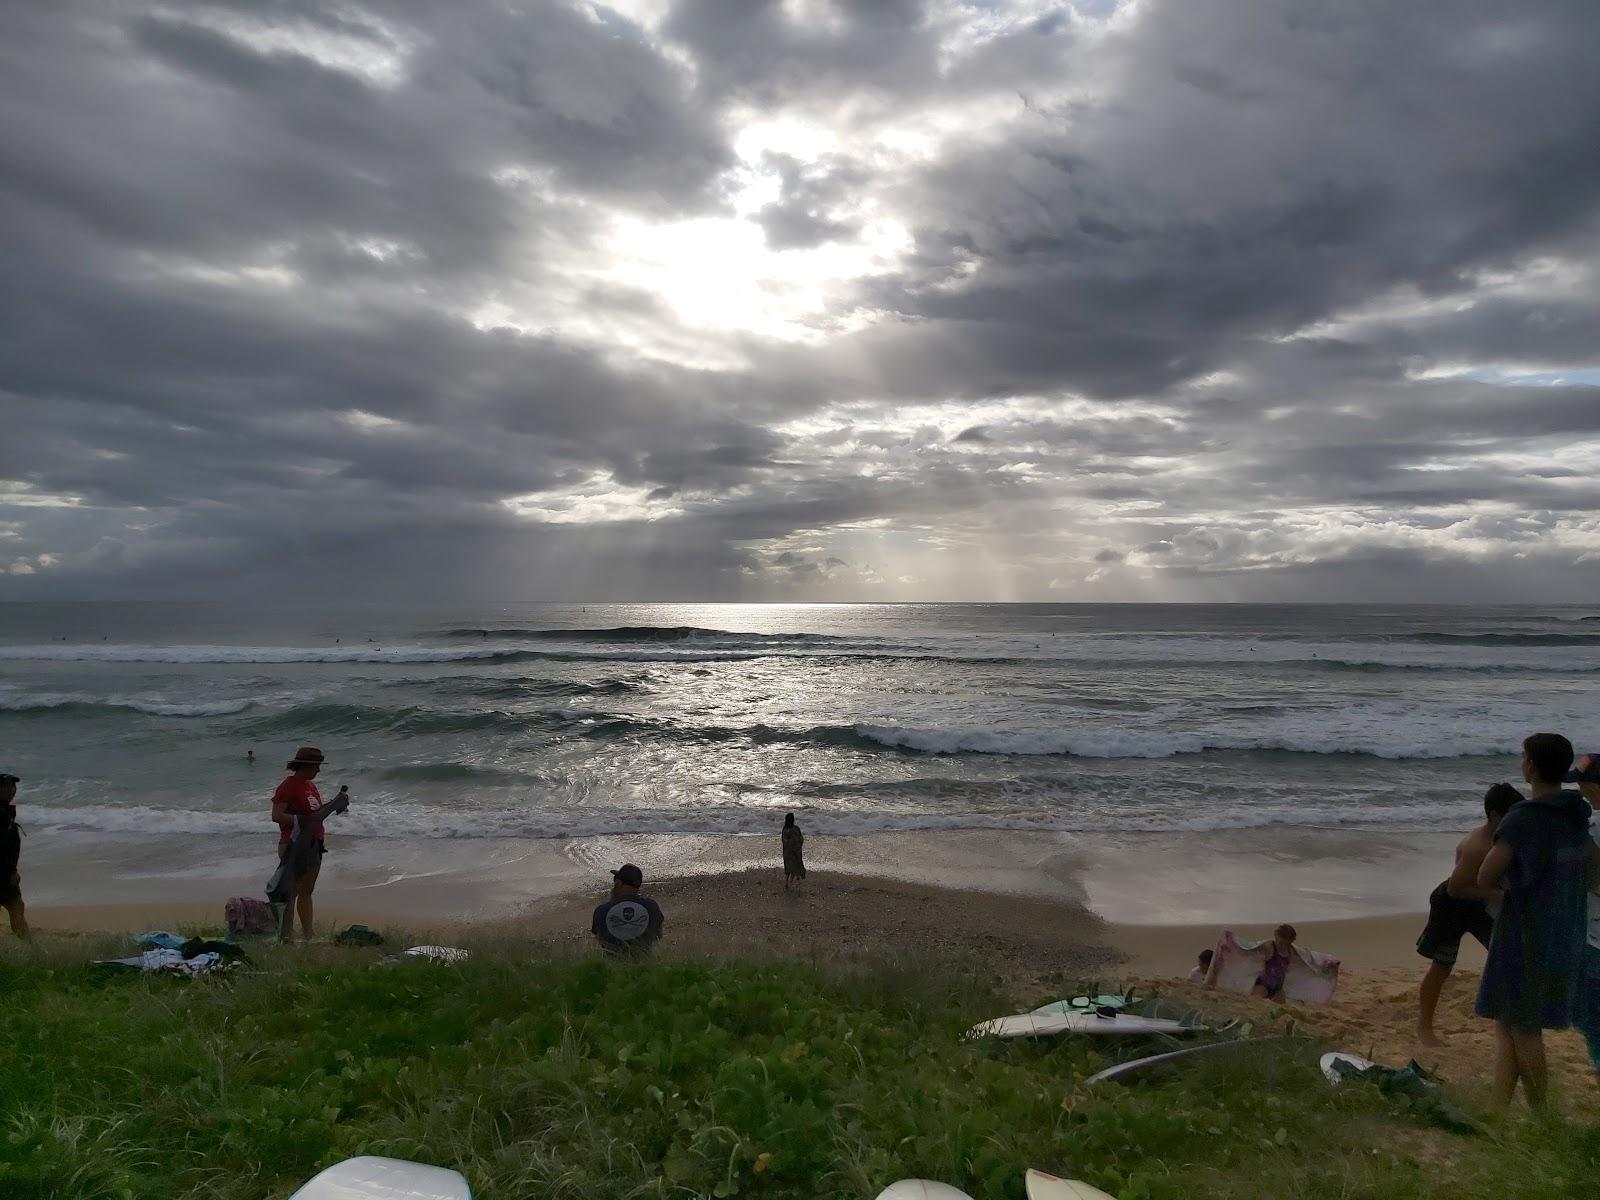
[921,1189]
[371,1178]
[1331,1062]
[1044,1186]
[1139,1067]
[1035,1025]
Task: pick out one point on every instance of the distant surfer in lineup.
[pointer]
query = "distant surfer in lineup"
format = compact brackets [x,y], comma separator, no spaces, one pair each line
[10,857]
[794,863]
[1458,907]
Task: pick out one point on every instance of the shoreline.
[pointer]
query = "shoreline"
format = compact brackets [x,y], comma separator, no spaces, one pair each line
[1151,900]
[1148,902]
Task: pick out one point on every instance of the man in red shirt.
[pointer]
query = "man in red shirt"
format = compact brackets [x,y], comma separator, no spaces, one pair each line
[297,797]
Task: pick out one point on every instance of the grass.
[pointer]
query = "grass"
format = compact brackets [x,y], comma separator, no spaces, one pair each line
[560,1076]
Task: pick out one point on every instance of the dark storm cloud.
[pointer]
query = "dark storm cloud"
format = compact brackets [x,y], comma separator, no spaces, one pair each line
[1252,167]
[766,51]
[1209,299]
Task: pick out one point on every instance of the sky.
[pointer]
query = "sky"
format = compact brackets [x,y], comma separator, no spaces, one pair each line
[846,300]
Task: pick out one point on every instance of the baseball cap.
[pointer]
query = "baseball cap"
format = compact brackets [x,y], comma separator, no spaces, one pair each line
[628,874]
[5,779]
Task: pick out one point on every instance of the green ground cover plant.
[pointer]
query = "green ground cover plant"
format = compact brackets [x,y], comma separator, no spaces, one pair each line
[553,1074]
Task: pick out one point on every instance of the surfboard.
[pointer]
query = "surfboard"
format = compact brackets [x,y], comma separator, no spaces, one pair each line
[1352,1062]
[1129,1071]
[921,1189]
[1034,1025]
[1043,1186]
[371,1178]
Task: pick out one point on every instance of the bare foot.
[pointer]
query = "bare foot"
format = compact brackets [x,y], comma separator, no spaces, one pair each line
[1429,1038]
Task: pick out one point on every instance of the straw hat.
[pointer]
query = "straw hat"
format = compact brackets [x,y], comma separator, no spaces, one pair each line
[306,756]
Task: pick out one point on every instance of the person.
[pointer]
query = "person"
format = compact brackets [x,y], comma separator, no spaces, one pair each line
[297,797]
[10,857]
[250,757]
[1586,1004]
[1280,952]
[627,922]
[1457,907]
[1545,861]
[1202,966]
[794,866]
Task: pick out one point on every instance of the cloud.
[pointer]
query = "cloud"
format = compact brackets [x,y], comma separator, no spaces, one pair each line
[800,300]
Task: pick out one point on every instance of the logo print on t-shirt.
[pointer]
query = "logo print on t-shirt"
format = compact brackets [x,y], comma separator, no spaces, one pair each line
[627,921]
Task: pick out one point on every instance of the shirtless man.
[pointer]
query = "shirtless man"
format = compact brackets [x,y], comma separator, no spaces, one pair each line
[1457,907]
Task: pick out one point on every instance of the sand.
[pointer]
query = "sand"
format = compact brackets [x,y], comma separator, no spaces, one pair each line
[1374,1014]
[1026,909]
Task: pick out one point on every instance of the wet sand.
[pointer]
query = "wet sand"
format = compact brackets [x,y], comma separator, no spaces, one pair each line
[1260,876]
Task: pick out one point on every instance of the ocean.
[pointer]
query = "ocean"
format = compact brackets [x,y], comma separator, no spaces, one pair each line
[558,721]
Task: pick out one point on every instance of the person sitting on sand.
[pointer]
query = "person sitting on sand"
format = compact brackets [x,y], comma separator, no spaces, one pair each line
[1544,859]
[794,866]
[627,922]
[298,797]
[10,857]
[1457,907]
[1280,953]
[1202,966]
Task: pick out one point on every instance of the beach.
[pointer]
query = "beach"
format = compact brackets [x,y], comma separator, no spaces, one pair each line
[1059,792]
[1034,945]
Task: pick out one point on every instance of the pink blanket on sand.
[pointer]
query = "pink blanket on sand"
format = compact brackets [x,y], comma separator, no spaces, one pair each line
[1312,977]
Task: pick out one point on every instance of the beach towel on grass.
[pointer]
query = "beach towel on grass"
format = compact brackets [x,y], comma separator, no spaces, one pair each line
[1312,977]
[169,962]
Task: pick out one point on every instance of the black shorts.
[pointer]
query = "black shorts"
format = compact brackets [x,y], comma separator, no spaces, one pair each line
[1450,920]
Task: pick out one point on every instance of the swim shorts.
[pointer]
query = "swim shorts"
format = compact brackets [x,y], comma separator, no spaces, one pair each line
[1450,920]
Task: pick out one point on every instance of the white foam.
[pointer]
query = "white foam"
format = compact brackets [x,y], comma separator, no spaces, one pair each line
[1388,742]
[105,652]
[154,707]
[1076,648]
[411,822]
